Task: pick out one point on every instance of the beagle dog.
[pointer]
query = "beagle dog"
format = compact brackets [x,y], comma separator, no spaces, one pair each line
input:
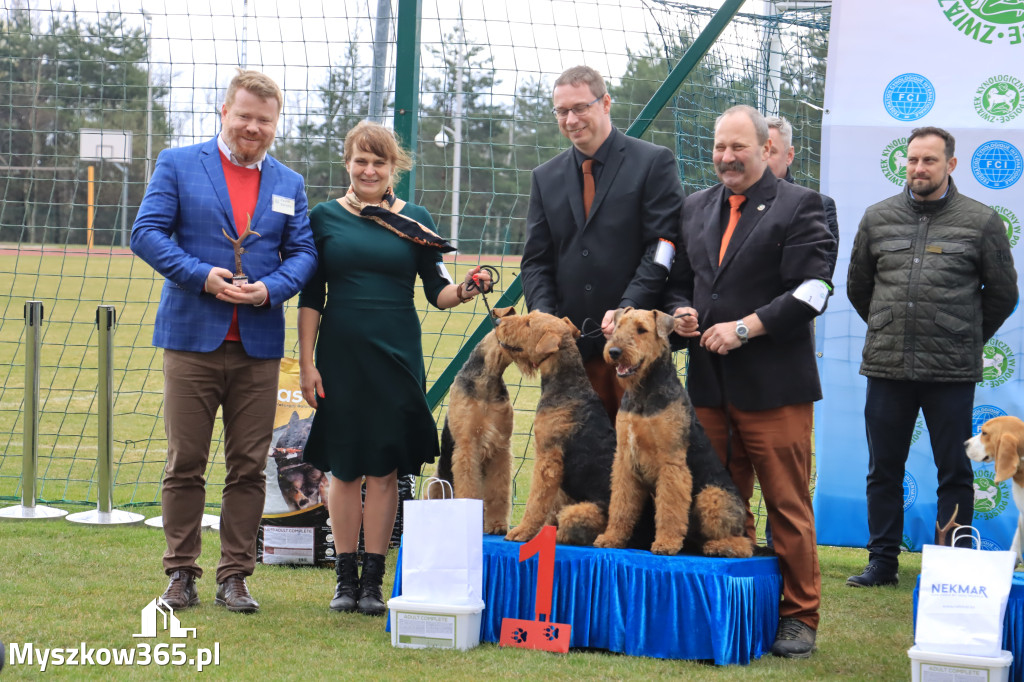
[1001,440]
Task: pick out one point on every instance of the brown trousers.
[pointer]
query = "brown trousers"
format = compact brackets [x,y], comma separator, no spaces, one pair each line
[776,445]
[609,388]
[195,386]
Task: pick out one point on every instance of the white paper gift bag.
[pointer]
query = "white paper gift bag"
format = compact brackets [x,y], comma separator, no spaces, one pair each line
[442,551]
[962,599]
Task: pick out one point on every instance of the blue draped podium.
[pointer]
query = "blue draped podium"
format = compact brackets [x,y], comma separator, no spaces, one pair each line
[1013,626]
[637,603]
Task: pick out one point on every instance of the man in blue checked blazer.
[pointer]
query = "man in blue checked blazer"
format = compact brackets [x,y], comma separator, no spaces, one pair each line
[223,338]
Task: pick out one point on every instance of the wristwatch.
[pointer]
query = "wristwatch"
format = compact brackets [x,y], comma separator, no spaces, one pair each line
[742,331]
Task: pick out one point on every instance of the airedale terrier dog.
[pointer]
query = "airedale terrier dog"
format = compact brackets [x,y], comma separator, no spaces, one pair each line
[662,449]
[574,441]
[476,455]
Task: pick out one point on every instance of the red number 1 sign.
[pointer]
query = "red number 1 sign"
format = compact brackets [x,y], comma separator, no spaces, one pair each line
[539,633]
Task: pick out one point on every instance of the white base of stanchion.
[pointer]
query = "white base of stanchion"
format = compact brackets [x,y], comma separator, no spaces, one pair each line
[215,525]
[208,521]
[113,517]
[22,513]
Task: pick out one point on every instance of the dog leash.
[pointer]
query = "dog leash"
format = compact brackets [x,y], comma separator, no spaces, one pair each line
[594,333]
[483,294]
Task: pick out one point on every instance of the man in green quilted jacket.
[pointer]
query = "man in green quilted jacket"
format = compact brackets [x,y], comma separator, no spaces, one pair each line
[932,275]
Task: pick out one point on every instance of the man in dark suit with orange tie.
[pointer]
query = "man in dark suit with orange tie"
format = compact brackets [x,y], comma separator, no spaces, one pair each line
[751,273]
[602,223]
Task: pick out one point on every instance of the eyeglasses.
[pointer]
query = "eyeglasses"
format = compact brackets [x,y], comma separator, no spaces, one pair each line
[579,109]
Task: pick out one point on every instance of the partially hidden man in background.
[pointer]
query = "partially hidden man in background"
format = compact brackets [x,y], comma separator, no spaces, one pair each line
[932,275]
[602,223]
[209,209]
[780,159]
[750,276]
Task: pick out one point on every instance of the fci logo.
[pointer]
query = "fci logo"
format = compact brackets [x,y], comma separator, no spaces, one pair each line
[909,491]
[894,161]
[997,164]
[986,21]
[908,97]
[981,414]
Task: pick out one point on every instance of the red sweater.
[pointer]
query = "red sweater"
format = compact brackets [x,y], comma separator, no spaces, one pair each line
[243,189]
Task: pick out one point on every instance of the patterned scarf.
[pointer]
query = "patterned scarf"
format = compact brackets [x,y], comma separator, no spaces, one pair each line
[404,227]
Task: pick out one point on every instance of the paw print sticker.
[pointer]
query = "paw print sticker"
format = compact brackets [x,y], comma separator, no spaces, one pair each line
[519,635]
[551,632]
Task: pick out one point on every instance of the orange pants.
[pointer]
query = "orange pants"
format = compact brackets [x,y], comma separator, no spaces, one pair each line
[776,445]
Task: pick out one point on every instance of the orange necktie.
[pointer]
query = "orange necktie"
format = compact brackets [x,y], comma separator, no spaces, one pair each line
[735,201]
[588,186]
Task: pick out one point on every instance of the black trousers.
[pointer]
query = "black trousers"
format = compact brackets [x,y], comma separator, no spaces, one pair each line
[890,411]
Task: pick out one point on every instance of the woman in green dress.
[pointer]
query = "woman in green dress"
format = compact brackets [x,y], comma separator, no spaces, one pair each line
[366,377]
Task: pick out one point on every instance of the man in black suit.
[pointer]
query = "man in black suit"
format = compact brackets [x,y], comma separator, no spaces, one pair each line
[751,274]
[583,264]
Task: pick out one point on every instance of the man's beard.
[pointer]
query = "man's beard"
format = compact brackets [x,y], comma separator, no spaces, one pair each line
[245,159]
[923,190]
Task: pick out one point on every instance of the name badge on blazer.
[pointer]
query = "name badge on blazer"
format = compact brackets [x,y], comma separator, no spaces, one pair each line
[283,205]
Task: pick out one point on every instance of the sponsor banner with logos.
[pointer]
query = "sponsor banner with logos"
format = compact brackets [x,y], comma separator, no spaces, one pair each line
[892,67]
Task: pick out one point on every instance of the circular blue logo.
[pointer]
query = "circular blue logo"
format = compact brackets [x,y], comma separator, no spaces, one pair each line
[908,97]
[997,164]
[909,491]
[982,413]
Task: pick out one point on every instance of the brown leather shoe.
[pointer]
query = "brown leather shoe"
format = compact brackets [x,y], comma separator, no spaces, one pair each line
[181,592]
[234,595]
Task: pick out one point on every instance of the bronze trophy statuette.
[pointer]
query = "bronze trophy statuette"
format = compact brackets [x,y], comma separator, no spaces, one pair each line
[240,277]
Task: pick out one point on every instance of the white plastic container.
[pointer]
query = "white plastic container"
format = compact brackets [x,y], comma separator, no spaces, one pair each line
[932,666]
[418,625]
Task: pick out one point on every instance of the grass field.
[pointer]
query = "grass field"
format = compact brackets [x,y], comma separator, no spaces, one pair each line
[63,584]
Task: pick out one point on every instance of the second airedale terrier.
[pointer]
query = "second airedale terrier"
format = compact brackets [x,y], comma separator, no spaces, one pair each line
[574,441]
[476,455]
[662,449]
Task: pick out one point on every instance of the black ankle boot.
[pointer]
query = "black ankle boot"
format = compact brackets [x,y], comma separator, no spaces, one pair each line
[347,589]
[371,601]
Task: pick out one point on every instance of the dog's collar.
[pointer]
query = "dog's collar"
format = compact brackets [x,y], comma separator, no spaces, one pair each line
[511,349]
